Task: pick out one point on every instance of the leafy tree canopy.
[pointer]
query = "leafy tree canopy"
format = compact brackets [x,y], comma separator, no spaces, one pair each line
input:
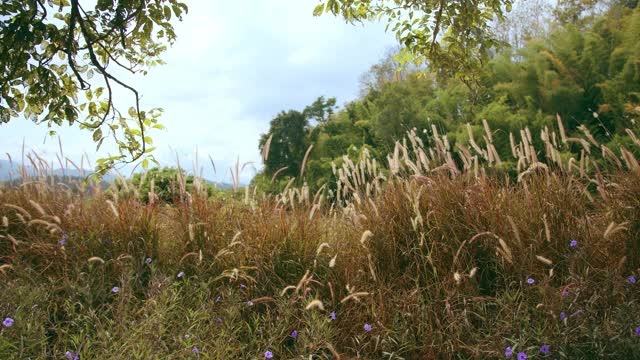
[55,51]
[452,36]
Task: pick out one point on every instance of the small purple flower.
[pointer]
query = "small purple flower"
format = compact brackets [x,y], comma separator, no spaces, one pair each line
[573,243]
[8,322]
[195,350]
[563,316]
[186,336]
[180,274]
[638,331]
[530,280]
[565,292]
[72,356]
[294,334]
[367,327]
[63,242]
[632,279]
[219,319]
[508,352]
[333,315]
[115,289]
[218,299]
[243,286]
[522,356]
[250,303]
[148,260]
[545,349]
[268,354]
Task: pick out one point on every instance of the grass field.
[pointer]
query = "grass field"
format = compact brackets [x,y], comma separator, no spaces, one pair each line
[440,255]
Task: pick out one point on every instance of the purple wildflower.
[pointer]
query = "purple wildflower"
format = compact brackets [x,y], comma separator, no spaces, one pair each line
[565,292]
[268,354]
[115,289]
[148,260]
[573,243]
[333,315]
[250,303]
[632,279]
[180,274]
[530,280]
[563,316]
[72,356]
[545,349]
[508,352]
[195,350]
[243,286]
[218,299]
[294,334]
[7,322]
[186,336]
[638,331]
[63,242]
[367,327]
[522,356]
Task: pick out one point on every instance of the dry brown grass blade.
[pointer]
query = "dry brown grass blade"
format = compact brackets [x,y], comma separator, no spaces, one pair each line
[304,160]
[614,228]
[273,178]
[5,267]
[265,149]
[315,304]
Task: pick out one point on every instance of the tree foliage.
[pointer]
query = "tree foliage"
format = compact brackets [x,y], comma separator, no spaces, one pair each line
[169,185]
[587,73]
[452,36]
[55,52]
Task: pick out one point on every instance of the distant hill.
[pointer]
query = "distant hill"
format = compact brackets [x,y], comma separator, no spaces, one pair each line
[219,185]
[12,171]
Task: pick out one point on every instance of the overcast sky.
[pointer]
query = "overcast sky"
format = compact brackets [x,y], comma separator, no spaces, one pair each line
[234,66]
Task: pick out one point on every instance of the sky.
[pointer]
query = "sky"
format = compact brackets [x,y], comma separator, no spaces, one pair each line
[234,67]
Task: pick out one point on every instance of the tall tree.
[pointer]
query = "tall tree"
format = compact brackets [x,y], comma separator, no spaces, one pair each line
[51,50]
[288,133]
[320,110]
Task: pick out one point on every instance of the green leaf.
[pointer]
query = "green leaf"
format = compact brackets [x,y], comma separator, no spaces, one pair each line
[145,164]
[318,10]
[97,135]
[93,111]
[132,112]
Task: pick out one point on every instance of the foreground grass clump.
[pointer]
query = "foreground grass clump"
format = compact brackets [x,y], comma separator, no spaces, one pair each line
[440,265]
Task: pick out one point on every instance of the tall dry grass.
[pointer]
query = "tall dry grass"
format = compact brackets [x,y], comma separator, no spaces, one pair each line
[434,251]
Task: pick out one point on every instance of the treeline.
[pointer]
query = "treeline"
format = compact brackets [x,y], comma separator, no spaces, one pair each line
[583,65]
